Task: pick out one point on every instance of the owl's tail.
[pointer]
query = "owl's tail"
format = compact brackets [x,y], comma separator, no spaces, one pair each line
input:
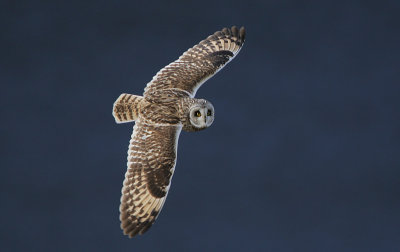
[126,108]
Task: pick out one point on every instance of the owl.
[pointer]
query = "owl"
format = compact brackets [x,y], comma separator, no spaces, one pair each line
[167,107]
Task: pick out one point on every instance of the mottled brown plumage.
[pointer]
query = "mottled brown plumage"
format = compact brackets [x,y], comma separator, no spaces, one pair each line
[167,107]
[199,63]
[126,108]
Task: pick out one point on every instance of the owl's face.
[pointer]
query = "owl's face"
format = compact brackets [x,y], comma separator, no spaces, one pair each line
[201,114]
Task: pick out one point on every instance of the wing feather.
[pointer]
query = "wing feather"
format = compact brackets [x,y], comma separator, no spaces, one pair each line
[151,163]
[199,63]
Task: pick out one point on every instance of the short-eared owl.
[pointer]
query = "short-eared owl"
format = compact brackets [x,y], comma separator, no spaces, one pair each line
[166,107]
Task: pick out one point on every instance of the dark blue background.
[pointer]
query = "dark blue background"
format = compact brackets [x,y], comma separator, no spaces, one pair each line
[304,154]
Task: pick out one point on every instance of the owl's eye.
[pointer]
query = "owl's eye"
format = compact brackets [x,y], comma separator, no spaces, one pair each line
[209,113]
[197,113]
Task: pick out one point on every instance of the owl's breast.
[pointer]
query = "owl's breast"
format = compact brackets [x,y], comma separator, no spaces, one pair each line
[160,113]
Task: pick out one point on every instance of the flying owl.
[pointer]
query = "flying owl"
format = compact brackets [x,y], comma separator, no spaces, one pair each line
[166,107]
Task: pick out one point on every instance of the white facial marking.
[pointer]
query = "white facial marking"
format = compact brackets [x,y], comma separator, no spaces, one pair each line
[202,114]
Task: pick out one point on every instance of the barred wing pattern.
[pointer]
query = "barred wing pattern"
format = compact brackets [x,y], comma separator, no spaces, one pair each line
[151,163]
[199,63]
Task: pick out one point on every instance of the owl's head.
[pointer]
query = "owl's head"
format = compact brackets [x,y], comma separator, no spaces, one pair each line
[200,115]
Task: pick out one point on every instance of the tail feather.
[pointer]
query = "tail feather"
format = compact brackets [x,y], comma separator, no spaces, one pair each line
[126,108]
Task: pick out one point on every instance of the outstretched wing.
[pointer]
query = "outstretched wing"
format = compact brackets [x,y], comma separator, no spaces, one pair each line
[151,163]
[199,63]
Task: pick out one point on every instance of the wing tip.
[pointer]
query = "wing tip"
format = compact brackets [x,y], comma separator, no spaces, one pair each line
[239,33]
[242,33]
[133,226]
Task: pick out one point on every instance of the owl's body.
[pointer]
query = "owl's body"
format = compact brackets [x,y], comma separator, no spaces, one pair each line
[166,107]
[165,110]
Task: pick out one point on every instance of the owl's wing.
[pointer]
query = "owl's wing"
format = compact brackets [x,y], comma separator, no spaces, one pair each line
[151,162]
[199,63]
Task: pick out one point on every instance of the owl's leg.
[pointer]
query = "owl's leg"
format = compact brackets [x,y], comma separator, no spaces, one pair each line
[126,108]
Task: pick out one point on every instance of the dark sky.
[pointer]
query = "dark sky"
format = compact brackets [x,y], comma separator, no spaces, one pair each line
[304,154]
